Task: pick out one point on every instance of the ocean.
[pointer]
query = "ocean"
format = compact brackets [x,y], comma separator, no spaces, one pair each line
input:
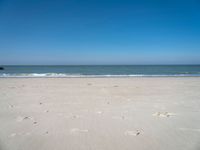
[100,70]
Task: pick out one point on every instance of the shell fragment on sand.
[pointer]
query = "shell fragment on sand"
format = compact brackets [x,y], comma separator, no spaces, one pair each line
[132,133]
[162,114]
[77,130]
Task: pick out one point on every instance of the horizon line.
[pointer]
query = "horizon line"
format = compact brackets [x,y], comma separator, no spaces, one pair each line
[99,64]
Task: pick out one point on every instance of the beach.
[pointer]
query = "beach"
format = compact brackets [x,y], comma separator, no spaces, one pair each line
[141,113]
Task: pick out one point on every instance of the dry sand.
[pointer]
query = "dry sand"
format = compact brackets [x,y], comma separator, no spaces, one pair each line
[100,113]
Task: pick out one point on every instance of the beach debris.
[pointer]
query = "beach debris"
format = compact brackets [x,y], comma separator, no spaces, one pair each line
[46,132]
[108,103]
[162,114]
[132,133]
[34,122]
[89,84]
[115,86]
[40,103]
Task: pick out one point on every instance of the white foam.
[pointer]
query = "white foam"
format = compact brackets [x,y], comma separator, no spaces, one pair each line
[63,75]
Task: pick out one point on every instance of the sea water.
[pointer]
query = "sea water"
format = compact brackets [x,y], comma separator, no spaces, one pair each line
[100,70]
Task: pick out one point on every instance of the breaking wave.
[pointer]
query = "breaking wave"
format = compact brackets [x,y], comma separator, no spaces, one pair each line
[65,75]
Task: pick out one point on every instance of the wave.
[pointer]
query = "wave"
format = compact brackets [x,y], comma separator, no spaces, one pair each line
[65,75]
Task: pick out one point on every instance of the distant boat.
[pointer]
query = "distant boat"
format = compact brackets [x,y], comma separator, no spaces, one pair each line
[1,68]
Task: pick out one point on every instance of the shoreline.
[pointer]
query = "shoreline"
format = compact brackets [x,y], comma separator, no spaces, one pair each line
[102,76]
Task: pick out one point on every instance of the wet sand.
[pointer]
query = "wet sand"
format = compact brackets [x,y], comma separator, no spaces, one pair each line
[138,113]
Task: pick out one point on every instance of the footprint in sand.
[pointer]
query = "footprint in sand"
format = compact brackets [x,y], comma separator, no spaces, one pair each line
[10,106]
[77,130]
[20,119]
[132,133]
[162,114]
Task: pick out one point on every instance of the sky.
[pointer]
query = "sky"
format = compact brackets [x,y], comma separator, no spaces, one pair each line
[80,32]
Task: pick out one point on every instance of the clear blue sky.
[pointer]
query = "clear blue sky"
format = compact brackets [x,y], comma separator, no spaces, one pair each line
[99,32]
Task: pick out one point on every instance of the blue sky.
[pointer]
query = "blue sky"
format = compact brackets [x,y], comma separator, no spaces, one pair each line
[99,32]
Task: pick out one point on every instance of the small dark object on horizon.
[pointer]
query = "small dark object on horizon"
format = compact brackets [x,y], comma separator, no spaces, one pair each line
[1,68]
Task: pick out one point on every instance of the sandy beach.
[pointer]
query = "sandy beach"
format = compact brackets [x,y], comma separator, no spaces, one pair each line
[141,113]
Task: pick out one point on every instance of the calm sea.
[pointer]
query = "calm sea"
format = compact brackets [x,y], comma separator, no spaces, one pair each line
[100,71]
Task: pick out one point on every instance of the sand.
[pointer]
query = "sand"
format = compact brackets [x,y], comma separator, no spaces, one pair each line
[141,113]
